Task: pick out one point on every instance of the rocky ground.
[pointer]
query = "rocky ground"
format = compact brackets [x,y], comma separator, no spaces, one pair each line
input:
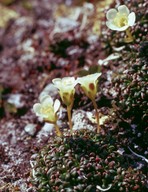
[40,41]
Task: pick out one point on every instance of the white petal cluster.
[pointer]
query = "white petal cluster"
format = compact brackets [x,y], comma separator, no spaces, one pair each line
[66,87]
[89,84]
[65,84]
[120,19]
[47,109]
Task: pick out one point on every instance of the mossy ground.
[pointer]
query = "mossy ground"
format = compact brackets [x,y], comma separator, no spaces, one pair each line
[84,161]
[35,47]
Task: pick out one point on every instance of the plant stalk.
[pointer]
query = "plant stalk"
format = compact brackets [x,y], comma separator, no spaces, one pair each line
[58,132]
[97,115]
[129,38]
[69,117]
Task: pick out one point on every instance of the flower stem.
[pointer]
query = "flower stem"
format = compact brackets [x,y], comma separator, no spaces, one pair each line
[97,115]
[69,117]
[84,21]
[129,38]
[58,132]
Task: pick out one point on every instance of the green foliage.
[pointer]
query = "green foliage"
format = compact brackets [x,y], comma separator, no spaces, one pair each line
[132,92]
[81,162]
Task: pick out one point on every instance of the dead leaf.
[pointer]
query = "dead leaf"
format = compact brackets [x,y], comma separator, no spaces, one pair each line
[6,14]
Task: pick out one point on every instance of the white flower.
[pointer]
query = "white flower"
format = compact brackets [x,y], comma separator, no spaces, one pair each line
[66,87]
[120,20]
[89,84]
[47,109]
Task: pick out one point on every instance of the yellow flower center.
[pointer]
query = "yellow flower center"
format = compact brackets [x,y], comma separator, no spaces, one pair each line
[67,82]
[121,20]
[46,110]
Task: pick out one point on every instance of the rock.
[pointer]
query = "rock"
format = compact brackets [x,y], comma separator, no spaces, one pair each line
[81,121]
[30,129]
[16,99]
[48,127]
[65,24]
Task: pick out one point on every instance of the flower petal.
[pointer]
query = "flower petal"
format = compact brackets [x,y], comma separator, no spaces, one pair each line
[88,79]
[36,108]
[47,101]
[43,96]
[56,105]
[111,26]
[56,81]
[68,81]
[111,14]
[65,84]
[68,84]
[123,28]
[81,80]
[114,27]
[95,76]
[123,9]
[131,19]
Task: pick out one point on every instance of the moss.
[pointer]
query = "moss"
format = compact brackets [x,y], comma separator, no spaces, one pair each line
[83,161]
[128,86]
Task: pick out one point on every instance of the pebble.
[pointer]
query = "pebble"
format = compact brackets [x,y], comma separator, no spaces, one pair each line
[16,99]
[80,120]
[30,129]
[48,127]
